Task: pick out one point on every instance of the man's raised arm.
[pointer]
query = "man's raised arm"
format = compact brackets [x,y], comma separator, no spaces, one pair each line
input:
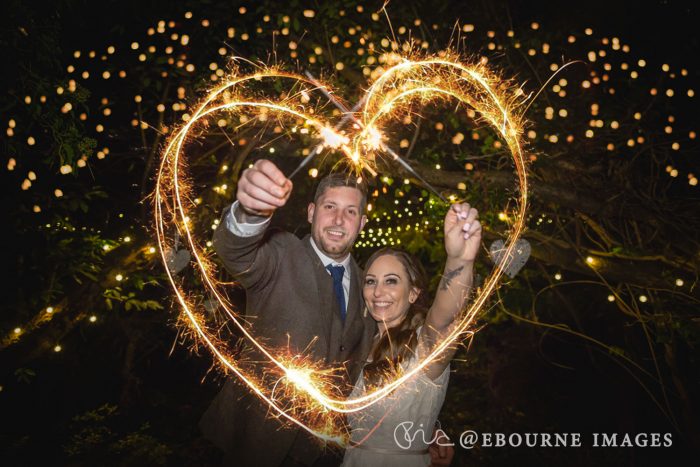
[262,189]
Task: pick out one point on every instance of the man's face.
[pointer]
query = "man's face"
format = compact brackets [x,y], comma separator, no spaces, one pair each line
[336,220]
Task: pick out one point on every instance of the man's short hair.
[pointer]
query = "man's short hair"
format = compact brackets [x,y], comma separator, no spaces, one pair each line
[337,179]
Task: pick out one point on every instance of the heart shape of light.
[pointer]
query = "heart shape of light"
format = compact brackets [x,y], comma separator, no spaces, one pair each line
[304,382]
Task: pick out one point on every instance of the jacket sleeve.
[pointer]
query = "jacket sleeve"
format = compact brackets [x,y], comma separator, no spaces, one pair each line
[254,261]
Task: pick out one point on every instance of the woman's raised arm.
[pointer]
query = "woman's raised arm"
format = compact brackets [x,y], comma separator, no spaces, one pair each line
[462,242]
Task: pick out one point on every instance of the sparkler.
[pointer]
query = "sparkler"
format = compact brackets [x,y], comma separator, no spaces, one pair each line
[376,137]
[317,150]
[297,388]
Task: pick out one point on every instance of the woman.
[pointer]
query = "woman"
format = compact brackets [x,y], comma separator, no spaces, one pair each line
[397,430]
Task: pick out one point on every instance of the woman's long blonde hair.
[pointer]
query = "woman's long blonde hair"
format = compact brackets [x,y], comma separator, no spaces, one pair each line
[399,342]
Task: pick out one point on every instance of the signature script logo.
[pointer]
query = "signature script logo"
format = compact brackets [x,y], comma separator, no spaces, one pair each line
[405,436]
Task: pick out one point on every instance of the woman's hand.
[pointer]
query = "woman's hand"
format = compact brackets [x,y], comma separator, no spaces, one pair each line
[462,232]
[462,243]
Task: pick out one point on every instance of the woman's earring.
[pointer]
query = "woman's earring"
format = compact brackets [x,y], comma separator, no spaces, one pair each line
[364,312]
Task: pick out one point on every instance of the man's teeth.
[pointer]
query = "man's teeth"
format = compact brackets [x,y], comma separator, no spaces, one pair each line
[335,233]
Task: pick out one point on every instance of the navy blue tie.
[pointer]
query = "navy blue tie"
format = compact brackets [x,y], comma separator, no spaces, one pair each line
[337,272]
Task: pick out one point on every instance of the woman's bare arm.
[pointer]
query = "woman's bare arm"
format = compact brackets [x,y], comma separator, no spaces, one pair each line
[462,243]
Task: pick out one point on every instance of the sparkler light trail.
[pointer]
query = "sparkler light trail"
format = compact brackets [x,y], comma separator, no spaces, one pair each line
[295,386]
[376,138]
[317,150]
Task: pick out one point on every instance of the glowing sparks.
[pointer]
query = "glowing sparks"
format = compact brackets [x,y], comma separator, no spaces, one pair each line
[332,139]
[373,139]
[297,388]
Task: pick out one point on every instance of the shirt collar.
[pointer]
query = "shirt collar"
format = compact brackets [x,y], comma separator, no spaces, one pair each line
[327,260]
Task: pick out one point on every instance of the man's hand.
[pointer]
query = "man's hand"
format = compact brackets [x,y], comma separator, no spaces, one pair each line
[441,450]
[263,188]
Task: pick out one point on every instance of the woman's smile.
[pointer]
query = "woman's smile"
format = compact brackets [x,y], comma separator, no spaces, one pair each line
[387,291]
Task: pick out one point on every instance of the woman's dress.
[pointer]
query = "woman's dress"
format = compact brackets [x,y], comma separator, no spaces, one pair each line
[397,430]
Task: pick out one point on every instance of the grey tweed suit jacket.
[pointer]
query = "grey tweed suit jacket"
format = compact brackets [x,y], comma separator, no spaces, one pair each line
[290,302]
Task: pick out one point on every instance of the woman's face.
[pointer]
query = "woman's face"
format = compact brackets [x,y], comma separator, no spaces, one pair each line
[388,292]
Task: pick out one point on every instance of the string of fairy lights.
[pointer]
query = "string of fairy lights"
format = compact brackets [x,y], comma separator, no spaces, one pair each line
[612,71]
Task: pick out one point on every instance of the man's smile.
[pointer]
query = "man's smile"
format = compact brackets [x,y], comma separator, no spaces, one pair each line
[335,233]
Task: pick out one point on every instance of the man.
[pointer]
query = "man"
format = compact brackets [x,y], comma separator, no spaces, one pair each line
[298,292]
[292,300]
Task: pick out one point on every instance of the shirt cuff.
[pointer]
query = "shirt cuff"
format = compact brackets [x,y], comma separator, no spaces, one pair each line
[242,229]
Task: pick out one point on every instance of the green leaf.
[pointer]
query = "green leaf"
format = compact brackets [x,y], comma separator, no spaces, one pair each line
[24,375]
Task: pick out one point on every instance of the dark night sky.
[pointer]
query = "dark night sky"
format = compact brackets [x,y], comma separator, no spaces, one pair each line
[661,29]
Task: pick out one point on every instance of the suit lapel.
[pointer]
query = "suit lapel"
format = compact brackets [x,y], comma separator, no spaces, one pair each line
[354,297]
[328,306]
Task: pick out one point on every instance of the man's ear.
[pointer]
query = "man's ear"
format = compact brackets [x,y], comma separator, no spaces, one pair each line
[310,212]
[363,221]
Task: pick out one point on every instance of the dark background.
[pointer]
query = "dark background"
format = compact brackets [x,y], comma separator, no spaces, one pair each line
[128,392]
